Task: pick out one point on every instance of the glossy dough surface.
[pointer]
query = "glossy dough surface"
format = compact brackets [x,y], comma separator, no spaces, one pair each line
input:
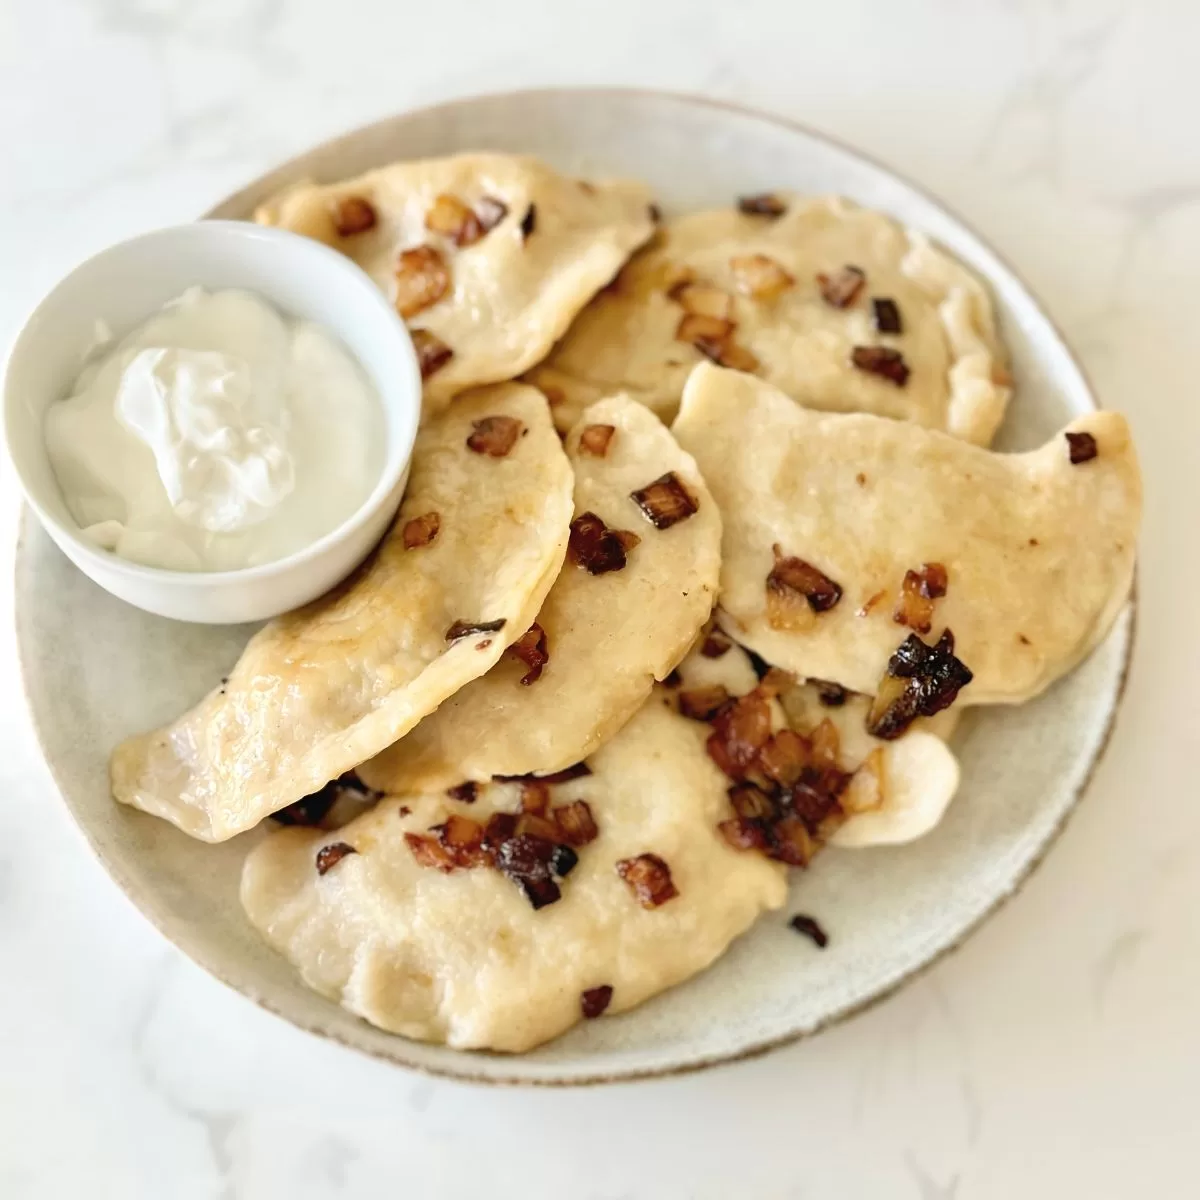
[1039,552]
[626,338]
[512,294]
[319,690]
[463,958]
[609,636]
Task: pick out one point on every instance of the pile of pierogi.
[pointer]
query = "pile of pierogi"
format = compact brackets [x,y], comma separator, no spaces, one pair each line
[702,555]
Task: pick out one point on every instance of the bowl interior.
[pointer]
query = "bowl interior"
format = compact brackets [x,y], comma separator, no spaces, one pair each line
[127,283]
[96,670]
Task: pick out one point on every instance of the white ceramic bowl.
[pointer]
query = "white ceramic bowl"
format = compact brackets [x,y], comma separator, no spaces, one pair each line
[126,284]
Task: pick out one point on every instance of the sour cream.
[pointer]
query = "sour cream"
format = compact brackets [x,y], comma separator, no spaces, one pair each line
[218,435]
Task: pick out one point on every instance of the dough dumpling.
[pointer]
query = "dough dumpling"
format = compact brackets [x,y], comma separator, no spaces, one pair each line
[825,515]
[760,275]
[488,257]
[608,635]
[479,539]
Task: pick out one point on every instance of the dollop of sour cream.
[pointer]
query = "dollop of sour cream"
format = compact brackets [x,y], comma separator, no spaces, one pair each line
[218,435]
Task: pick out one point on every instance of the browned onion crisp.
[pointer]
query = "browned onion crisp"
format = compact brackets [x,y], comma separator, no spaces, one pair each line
[532,650]
[450,217]
[920,681]
[649,878]
[703,300]
[883,361]
[887,315]
[809,927]
[759,277]
[666,501]
[703,703]
[494,436]
[595,547]
[353,214]
[462,629]
[329,856]
[595,1000]
[1081,447]
[701,330]
[312,809]
[764,204]
[576,825]
[432,352]
[918,591]
[795,590]
[420,531]
[422,279]
[594,439]
[842,288]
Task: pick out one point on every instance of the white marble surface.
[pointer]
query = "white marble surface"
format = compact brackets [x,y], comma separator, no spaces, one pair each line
[1056,1054]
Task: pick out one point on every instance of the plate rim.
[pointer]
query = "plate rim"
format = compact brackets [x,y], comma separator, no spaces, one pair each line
[513,1078]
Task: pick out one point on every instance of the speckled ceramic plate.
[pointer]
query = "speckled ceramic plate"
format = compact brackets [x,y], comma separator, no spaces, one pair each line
[97,670]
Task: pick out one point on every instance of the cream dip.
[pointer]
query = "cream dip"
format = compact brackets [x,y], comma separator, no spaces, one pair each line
[218,435]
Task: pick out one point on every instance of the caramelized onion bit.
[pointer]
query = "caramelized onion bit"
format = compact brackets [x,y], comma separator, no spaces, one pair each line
[312,809]
[809,927]
[353,214]
[744,834]
[759,277]
[462,629]
[918,592]
[1081,447]
[535,796]
[595,1000]
[784,757]
[450,217]
[883,361]
[494,436]
[429,852]
[528,222]
[740,730]
[751,803]
[329,856]
[649,878]
[464,793]
[462,840]
[887,315]
[843,287]
[532,650]
[920,680]
[500,827]
[576,825]
[595,547]
[422,279]
[703,703]
[816,795]
[700,330]
[703,300]
[538,825]
[764,204]
[791,842]
[595,438]
[489,212]
[666,501]
[529,861]
[432,352]
[420,531]
[796,590]
[715,644]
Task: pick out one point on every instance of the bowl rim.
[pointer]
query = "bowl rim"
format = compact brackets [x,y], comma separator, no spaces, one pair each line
[513,1077]
[400,438]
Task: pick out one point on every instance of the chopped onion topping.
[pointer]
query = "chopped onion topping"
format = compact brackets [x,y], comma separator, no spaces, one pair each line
[353,214]
[432,352]
[666,501]
[420,531]
[422,279]
[531,649]
[920,680]
[494,436]
[843,287]
[649,878]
